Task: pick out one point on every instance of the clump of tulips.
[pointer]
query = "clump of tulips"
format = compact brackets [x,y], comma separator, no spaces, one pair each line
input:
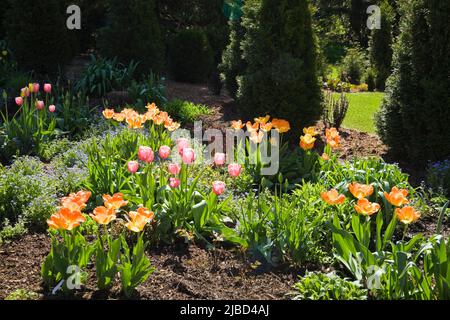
[33,121]
[112,254]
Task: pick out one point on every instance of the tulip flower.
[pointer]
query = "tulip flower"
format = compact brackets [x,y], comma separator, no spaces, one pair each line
[332,197]
[325,157]
[333,138]
[307,142]
[25,92]
[164,152]
[103,215]
[133,166]
[188,156]
[397,197]
[262,120]
[174,183]
[19,101]
[35,87]
[219,159]
[281,125]
[108,113]
[182,143]
[366,208]
[256,136]
[138,220]
[360,190]
[146,154]
[39,104]
[115,202]
[218,187]
[47,88]
[65,219]
[237,125]
[174,168]
[311,131]
[252,127]
[407,215]
[52,108]
[234,169]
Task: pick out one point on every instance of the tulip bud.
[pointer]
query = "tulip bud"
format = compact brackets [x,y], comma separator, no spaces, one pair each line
[19,101]
[218,187]
[133,166]
[52,108]
[39,104]
[47,88]
[164,152]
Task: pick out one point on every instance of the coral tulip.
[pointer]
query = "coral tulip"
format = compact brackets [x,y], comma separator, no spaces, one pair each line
[407,214]
[115,202]
[281,125]
[174,168]
[65,219]
[103,215]
[237,125]
[332,197]
[108,113]
[146,154]
[234,169]
[218,187]
[39,104]
[164,152]
[366,208]
[359,190]
[307,142]
[397,197]
[133,166]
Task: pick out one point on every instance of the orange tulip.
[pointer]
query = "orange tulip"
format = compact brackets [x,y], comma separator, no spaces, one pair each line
[366,208]
[160,118]
[333,138]
[103,215]
[262,120]
[115,202]
[325,157]
[407,214]
[171,125]
[136,121]
[332,197]
[266,126]
[119,117]
[311,131]
[252,127]
[307,142]
[138,220]
[257,136]
[65,219]
[76,201]
[237,125]
[359,190]
[108,113]
[281,125]
[397,197]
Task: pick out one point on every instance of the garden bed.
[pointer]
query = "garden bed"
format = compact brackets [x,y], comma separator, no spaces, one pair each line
[182,272]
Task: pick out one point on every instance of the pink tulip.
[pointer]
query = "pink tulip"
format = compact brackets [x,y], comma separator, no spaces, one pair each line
[219,159]
[188,155]
[133,166]
[39,104]
[51,108]
[146,154]
[19,101]
[234,169]
[47,88]
[164,152]
[218,187]
[182,143]
[174,183]
[35,87]
[174,168]
[25,92]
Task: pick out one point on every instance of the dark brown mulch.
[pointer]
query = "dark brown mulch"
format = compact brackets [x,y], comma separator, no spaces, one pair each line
[182,272]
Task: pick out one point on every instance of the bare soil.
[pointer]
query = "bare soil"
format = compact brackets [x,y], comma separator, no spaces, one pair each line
[182,272]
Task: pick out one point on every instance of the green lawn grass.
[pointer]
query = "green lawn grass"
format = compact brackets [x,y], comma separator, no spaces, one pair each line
[361,111]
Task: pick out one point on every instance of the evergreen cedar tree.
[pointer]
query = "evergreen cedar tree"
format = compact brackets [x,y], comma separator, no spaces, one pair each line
[133,33]
[37,34]
[415,114]
[279,55]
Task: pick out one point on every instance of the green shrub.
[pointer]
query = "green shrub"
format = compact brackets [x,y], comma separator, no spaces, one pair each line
[190,56]
[414,117]
[279,52]
[319,286]
[133,34]
[38,35]
[353,66]
[22,294]
[185,111]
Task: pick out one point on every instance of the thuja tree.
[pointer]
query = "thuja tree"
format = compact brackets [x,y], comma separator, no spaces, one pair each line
[415,114]
[279,52]
[37,34]
[381,46]
[133,33]
[232,62]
